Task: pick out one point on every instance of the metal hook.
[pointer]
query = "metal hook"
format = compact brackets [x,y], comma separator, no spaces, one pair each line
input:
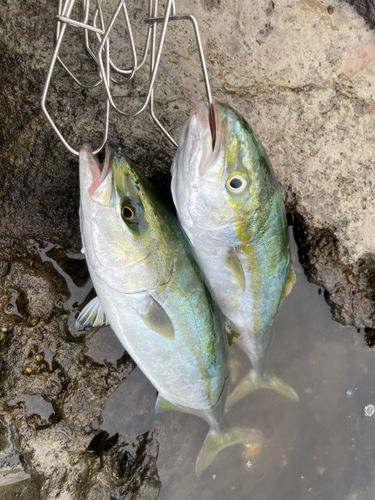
[134,52]
[154,73]
[106,66]
[204,71]
[65,11]
[86,6]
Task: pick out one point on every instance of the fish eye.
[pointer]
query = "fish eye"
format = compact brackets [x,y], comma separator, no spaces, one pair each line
[236,184]
[127,212]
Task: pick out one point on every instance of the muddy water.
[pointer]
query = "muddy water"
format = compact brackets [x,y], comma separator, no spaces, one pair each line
[320,448]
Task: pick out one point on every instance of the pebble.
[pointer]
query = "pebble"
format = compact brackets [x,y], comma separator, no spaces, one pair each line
[248,464]
[9,308]
[369,411]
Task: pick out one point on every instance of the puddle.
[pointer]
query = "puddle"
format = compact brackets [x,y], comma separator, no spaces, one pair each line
[48,357]
[73,268]
[37,412]
[14,305]
[130,409]
[320,448]
[104,347]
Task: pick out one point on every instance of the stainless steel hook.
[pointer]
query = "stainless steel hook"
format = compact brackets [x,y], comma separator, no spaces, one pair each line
[109,73]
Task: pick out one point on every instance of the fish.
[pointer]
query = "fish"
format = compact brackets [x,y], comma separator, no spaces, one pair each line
[230,207]
[152,294]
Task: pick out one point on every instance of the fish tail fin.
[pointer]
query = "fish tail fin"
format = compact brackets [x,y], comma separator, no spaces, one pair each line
[254,381]
[217,441]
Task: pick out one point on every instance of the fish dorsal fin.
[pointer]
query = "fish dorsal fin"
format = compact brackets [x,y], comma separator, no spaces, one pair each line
[92,315]
[163,405]
[232,262]
[156,319]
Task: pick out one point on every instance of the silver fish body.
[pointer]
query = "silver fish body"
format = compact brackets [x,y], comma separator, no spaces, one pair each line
[229,204]
[151,292]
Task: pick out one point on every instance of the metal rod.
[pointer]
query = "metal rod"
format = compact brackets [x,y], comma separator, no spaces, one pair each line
[151,84]
[68,6]
[212,118]
[86,5]
[152,64]
[106,66]
[135,68]
[199,43]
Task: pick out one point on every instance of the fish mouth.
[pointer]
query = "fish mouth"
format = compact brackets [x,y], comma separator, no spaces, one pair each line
[206,114]
[211,124]
[99,171]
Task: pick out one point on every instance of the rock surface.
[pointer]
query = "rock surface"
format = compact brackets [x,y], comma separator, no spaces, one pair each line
[366,9]
[301,72]
[54,385]
[303,76]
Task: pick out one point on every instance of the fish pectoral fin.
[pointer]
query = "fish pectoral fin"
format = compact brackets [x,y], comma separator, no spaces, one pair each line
[232,262]
[92,314]
[163,405]
[157,319]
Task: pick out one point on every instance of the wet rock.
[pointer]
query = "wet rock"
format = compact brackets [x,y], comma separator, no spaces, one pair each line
[52,396]
[11,469]
[4,266]
[32,289]
[370,336]
[133,468]
[12,463]
[349,289]
[17,479]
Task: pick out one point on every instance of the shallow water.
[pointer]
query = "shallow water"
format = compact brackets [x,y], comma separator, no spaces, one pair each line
[320,448]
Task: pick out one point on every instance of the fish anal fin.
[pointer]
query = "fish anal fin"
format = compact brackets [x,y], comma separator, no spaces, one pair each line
[92,314]
[232,262]
[163,405]
[156,319]
[289,282]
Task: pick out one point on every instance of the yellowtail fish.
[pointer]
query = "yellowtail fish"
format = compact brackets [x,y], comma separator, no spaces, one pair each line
[229,204]
[150,290]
